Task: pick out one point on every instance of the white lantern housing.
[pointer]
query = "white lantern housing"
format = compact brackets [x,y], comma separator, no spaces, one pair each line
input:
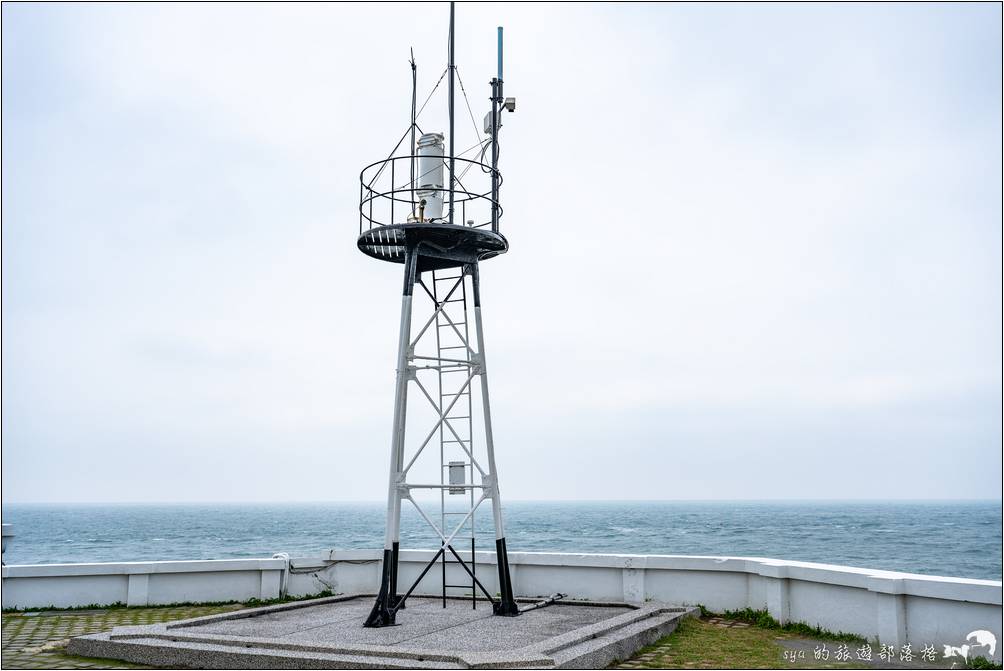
[429,181]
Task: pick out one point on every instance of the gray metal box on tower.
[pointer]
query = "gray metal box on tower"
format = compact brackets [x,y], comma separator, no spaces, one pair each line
[458,476]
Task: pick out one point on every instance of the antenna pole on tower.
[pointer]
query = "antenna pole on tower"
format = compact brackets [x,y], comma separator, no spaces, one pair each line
[496,113]
[414,100]
[453,67]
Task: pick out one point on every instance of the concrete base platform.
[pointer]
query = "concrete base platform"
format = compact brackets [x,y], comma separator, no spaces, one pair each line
[328,634]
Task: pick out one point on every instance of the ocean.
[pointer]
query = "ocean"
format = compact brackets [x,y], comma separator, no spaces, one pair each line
[961,539]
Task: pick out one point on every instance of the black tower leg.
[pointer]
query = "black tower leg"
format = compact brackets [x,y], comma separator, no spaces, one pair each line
[506,604]
[396,601]
[383,613]
[387,602]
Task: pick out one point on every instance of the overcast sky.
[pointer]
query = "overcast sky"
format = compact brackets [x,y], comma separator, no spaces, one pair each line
[755,249]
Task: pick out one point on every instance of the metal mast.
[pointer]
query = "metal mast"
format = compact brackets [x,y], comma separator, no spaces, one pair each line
[496,113]
[414,101]
[452,66]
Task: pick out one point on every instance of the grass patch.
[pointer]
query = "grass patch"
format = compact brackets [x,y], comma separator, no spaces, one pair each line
[257,603]
[700,644]
[91,606]
[764,620]
[704,643]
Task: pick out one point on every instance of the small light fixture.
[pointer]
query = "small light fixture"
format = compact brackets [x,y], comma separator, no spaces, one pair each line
[510,104]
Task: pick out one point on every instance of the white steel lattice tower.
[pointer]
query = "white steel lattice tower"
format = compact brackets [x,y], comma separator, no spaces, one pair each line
[423,209]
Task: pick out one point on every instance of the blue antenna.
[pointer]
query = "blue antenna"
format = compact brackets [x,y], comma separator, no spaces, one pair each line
[500,53]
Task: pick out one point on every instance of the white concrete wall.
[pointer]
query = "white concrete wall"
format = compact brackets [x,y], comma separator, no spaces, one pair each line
[895,608]
[141,583]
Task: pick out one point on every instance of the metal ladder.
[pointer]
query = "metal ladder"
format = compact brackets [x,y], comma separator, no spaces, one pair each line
[453,458]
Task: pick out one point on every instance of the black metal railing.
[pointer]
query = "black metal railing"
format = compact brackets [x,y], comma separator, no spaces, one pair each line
[383,201]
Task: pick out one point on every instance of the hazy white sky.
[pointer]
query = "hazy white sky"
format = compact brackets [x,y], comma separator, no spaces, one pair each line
[756,250]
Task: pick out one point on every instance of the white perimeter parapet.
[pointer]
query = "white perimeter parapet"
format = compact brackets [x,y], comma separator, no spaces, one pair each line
[141,583]
[894,608]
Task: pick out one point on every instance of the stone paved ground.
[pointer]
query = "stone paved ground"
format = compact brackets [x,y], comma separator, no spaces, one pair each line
[38,640]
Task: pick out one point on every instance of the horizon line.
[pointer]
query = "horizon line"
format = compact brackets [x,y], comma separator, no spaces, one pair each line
[382,502]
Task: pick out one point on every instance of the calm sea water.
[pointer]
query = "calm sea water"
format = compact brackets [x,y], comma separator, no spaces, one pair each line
[955,539]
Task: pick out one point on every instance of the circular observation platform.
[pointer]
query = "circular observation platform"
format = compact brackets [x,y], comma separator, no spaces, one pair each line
[437,245]
[390,190]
